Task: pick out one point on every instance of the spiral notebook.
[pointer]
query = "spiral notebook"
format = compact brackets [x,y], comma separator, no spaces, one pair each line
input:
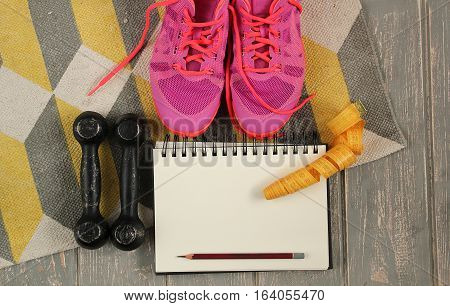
[208,199]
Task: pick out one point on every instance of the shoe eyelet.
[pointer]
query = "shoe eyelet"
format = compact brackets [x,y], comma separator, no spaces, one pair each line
[175,51]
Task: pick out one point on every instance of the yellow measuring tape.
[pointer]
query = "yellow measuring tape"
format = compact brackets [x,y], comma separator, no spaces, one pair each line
[347,127]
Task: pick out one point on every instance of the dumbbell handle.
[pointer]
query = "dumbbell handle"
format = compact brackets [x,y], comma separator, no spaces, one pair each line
[90,130]
[129,181]
[90,178]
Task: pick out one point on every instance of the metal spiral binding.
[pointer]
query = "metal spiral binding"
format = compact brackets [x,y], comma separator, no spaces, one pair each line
[316,143]
[224,147]
[304,142]
[293,139]
[194,147]
[184,147]
[275,144]
[165,144]
[214,146]
[174,145]
[265,146]
[255,150]
[283,142]
[204,152]
[234,145]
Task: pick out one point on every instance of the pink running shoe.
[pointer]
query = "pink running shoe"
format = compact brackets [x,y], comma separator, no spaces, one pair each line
[187,67]
[265,79]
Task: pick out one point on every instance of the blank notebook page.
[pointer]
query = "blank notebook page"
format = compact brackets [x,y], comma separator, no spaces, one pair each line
[215,204]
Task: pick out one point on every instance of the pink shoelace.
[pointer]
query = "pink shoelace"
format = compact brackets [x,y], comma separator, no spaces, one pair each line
[260,42]
[202,46]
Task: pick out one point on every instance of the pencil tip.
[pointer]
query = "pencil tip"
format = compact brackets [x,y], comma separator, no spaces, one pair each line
[188,256]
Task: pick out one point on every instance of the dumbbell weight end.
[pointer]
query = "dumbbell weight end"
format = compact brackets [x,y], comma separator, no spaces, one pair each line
[128,231]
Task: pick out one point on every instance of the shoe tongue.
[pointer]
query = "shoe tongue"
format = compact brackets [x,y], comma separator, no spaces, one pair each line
[191,7]
[205,10]
[261,8]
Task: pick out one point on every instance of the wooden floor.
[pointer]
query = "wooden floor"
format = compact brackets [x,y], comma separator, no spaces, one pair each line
[390,219]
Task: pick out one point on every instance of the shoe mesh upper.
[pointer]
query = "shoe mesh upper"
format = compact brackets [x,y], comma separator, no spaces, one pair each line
[188,97]
[274,91]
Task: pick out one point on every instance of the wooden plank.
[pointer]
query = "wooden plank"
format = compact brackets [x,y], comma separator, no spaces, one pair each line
[439,15]
[211,279]
[55,270]
[388,229]
[110,266]
[334,276]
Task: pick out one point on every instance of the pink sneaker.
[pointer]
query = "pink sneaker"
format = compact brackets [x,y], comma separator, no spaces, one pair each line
[265,79]
[187,70]
[187,67]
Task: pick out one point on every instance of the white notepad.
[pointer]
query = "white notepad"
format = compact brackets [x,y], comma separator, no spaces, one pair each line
[215,204]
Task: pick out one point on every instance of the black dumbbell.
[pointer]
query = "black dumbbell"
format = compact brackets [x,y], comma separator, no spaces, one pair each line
[91,231]
[128,231]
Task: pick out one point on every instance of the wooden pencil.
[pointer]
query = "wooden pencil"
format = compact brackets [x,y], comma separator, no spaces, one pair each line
[244,256]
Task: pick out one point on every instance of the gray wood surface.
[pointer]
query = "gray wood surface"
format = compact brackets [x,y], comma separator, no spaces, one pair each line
[391,229]
[388,226]
[57,269]
[439,112]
